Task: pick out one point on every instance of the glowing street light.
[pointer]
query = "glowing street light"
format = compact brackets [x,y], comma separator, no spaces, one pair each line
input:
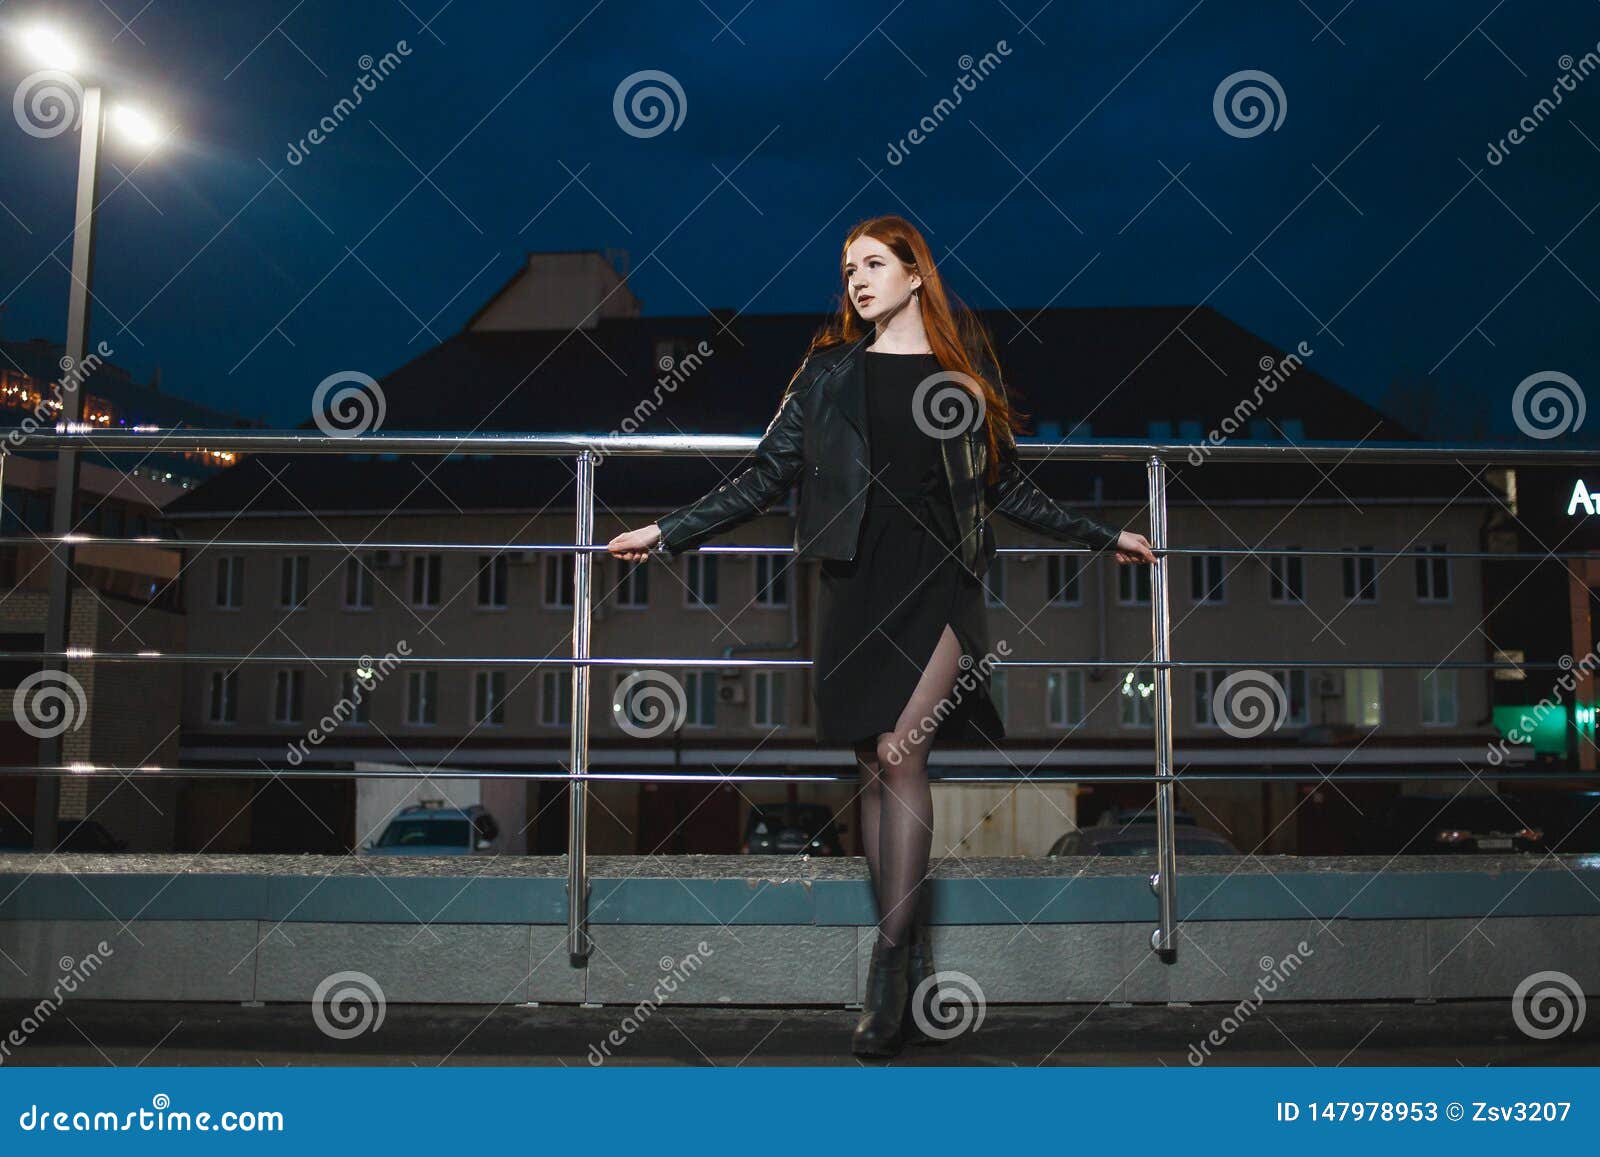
[48,48]
[136,126]
[59,90]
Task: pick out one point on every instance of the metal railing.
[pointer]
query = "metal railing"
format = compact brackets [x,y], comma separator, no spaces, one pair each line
[589,451]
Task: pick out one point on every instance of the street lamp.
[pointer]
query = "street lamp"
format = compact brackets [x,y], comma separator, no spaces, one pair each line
[51,49]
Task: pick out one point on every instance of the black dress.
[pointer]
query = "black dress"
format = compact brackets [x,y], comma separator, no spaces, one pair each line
[880,615]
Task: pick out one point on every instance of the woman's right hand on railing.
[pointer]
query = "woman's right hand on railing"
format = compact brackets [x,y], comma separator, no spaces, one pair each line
[635,545]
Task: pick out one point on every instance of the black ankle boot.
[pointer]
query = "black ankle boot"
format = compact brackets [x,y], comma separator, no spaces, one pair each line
[921,1010]
[880,1031]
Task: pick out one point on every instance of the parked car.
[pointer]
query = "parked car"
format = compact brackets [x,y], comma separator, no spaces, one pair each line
[1569,817]
[86,836]
[71,836]
[432,828]
[1132,832]
[14,837]
[1438,824]
[788,829]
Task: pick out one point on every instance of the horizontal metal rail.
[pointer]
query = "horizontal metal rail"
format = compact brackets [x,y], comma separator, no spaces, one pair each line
[477,444]
[80,655]
[456,771]
[419,546]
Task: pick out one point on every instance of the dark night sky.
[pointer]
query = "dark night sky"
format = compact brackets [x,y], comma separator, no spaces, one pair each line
[1419,257]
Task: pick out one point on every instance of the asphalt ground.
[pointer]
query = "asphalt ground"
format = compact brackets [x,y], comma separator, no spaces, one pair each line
[1323,1034]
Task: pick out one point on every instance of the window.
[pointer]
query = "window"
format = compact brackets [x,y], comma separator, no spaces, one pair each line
[1287,583]
[1360,576]
[1439,698]
[230,582]
[492,576]
[702,580]
[555,698]
[558,581]
[1133,585]
[422,698]
[994,583]
[1433,575]
[1138,695]
[997,693]
[701,689]
[224,697]
[1064,696]
[288,695]
[772,580]
[1063,579]
[292,572]
[426,571]
[1206,682]
[1293,712]
[1207,583]
[651,705]
[633,585]
[1294,681]
[489,698]
[770,705]
[358,584]
[354,687]
[1363,697]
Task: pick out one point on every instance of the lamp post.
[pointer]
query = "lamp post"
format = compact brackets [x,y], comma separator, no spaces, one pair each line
[53,51]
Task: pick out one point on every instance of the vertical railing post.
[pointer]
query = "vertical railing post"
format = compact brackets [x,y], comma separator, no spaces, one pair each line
[1165,880]
[577,788]
[63,505]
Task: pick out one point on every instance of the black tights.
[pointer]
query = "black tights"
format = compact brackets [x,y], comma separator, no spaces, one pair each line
[896,803]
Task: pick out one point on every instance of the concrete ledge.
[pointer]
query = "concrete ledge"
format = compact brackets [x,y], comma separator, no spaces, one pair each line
[766,931]
[720,890]
[801,964]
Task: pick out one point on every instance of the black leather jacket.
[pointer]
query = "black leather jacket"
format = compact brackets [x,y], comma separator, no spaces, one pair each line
[818,439]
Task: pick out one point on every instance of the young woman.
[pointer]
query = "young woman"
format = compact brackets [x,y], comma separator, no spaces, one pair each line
[899,433]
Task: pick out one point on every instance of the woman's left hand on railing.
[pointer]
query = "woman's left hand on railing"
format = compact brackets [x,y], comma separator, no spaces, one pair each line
[635,545]
[1133,547]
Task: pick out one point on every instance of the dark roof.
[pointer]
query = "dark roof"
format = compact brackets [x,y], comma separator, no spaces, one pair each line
[1114,367]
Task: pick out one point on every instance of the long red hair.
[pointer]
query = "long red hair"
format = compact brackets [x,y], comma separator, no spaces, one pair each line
[958,339]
